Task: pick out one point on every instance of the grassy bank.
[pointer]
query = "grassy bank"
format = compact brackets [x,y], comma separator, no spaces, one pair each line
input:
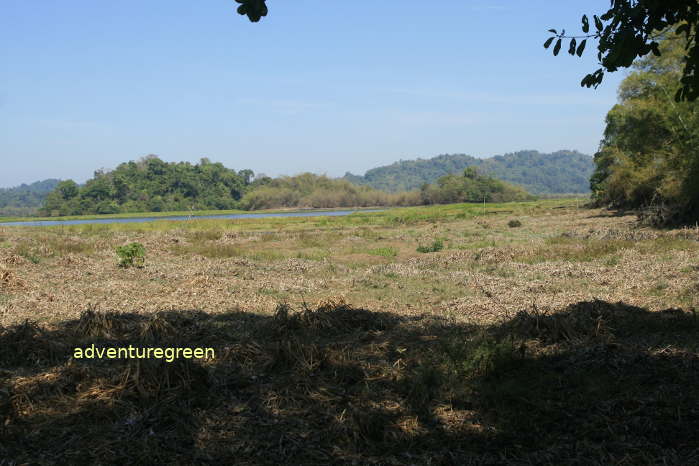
[188,213]
[491,207]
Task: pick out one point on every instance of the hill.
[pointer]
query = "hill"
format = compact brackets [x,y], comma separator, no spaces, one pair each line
[25,199]
[555,173]
[151,185]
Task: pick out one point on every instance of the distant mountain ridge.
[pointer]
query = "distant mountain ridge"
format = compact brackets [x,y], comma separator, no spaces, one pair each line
[25,199]
[555,173]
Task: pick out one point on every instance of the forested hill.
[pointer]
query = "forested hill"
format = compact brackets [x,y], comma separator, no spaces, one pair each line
[26,198]
[559,172]
[151,185]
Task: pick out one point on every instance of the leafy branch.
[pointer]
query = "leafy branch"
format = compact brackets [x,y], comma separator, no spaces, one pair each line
[628,30]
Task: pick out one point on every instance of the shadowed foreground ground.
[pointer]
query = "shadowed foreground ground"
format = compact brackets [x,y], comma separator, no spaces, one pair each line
[595,383]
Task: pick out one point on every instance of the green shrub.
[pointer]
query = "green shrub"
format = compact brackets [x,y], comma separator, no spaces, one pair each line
[131,255]
[437,245]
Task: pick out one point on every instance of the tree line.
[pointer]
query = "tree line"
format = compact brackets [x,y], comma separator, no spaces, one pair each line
[152,185]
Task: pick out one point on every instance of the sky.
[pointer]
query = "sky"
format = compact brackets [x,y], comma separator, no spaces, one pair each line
[321,86]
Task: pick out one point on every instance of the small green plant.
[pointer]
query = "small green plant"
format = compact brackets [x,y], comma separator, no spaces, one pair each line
[487,356]
[437,245]
[514,224]
[612,261]
[131,255]
[27,252]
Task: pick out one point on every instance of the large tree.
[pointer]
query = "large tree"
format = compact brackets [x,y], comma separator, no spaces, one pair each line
[626,31]
[649,157]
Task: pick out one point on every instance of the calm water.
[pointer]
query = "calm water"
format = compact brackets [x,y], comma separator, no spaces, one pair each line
[48,223]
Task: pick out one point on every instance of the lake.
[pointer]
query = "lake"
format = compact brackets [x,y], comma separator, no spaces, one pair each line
[48,223]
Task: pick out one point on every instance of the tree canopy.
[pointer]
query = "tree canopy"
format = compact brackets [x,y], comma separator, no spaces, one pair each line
[630,29]
[626,31]
[151,185]
[649,157]
[471,186]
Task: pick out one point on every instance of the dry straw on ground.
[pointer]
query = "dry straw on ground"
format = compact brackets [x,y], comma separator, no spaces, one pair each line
[569,340]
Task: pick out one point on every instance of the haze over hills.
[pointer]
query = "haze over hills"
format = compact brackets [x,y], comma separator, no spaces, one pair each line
[25,199]
[556,173]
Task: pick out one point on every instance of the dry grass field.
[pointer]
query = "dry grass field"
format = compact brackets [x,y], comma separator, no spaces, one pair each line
[569,339]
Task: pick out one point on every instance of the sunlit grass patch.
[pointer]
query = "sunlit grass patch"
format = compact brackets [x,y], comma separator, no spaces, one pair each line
[612,261]
[204,235]
[368,234]
[497,269]
[28,251]
[659,288]
[314,254]
[308,240]
[61,246]
[268,237]
[563,248]
[211,250]
[265,255]
[266,291]
[437,245]
[484,243]
[665,244]
[383,252]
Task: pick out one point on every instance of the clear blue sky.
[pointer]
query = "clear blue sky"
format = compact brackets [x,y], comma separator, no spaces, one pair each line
[318,85]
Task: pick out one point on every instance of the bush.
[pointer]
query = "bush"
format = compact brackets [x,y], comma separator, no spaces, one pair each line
[514,224]
[437,245]
[131,255]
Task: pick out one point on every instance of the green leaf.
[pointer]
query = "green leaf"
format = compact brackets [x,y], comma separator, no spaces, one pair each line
[586,24]
[598,24]
[557,47]
[254,9]
[553,31]
[581,48]
[548,42]
[573,43]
